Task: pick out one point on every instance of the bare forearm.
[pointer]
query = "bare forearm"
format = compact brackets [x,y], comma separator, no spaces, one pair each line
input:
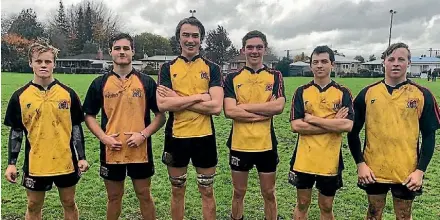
[268,108]
[333,125]
[94,127]
[301,127]
[156,124]
[242,115]
[175,104]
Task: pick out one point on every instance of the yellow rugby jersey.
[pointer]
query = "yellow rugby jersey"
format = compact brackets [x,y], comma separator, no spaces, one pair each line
[319,154]
[47,118]
[186,78]
[252,87]
[394,118]
[125,106]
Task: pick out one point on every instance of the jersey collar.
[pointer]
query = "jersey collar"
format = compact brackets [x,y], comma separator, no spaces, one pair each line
[252,71]
[325,87]
[40,87]
[192,60]
[128,75]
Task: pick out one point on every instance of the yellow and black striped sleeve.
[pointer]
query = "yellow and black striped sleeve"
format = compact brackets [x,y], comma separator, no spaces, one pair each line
[215,75]
[150,87]
[347,101]
[229,86]
[164,78]
[429,121]
[354,141]
[297,110]
[278,89]
[13,112]
[94,100]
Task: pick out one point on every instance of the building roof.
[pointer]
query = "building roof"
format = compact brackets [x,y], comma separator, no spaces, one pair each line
[416,60]
[241,58]
[86,56]
[159,58]
[342,59]
[299,63]
[374,62]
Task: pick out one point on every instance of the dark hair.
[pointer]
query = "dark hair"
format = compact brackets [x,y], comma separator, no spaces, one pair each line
[253,34]
[120,36]
[192,21]
[323,49]
[394,47]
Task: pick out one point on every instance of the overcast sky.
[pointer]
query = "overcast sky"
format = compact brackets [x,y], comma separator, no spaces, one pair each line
[349,26]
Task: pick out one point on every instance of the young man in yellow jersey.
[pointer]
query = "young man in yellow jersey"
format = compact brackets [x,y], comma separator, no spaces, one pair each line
[395,111]
[253,95]
[321,112]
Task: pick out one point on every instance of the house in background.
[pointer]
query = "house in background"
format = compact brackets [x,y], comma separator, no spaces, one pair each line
[346,65]
[421,64]
[298,68]
[156,61]
[375,65]
[239,61]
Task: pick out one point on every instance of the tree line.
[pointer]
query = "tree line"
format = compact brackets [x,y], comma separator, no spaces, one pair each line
[86,27]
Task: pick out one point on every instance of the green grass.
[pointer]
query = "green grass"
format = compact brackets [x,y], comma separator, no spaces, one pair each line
[350,202]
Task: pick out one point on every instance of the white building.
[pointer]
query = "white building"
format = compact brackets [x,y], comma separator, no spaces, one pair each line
[346,65]
[420,64]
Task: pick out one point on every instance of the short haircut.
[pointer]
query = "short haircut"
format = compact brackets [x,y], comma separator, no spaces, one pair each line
[254,34]
[394,47]
[192,21]
[120,36]
[42,47]
[323,49]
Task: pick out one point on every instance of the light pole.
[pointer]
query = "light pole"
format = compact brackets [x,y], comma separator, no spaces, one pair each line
[192,12]
[392,12]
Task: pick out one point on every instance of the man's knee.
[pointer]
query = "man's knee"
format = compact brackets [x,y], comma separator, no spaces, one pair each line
[115,197]
[325,206]
[35,206]
[178,181]
[239,192]
[303,203]
[205,183]
[68,203]
[375,210]
[268,194]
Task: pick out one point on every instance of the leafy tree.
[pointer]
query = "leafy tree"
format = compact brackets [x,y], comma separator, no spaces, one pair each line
[219,47]
[360,58]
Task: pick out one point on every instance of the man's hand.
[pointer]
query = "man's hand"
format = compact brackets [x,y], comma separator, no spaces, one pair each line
[365,174]
[135,140]
[109,140]
[414,181]
[83,165]
[205,97]
[166,92]
[342,113]
[308,117]
[11,173]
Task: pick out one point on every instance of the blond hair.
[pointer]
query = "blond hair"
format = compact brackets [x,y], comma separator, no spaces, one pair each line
[42,47]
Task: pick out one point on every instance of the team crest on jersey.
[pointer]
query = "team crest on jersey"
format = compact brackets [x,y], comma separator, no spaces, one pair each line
[269,87]
[204,75]
[336,105]
[63,104]
[137,93]
[412,103]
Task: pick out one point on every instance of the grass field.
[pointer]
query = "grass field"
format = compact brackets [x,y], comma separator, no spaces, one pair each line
[350,202]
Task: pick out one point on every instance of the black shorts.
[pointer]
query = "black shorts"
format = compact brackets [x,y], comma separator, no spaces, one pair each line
[202,151]
[44,183]
[118,172]
[397,190]
[327,185]
[265,162]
